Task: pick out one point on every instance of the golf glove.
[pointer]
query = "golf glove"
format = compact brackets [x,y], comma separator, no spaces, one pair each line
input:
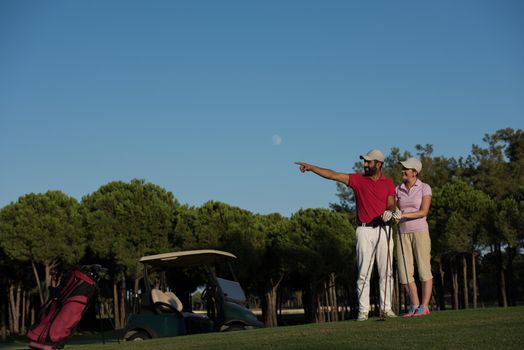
[387,215]
[397,215]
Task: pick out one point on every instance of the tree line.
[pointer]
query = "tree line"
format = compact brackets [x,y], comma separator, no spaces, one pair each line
[476,225]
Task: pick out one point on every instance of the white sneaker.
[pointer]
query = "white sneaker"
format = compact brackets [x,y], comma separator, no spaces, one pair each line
[390,314]
[362,316]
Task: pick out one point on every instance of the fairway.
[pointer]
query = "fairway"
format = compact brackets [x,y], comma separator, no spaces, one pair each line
[493,328]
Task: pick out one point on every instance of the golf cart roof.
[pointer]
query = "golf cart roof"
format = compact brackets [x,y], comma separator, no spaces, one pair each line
[188,258]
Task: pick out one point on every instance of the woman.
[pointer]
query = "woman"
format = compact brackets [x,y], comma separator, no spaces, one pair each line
[413,198]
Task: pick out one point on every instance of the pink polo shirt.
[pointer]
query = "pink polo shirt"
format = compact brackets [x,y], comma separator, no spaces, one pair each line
[410,201]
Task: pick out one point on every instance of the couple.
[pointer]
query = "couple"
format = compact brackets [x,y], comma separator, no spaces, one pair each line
[378,202]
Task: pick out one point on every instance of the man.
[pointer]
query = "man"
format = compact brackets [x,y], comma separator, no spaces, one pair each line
[374,195]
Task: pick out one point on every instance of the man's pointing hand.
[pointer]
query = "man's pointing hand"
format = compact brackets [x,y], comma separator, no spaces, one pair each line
[304,166]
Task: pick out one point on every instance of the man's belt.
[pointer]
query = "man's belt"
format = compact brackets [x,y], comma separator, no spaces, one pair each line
[376,222]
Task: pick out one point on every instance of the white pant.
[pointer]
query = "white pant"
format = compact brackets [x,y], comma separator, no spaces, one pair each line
[372,244]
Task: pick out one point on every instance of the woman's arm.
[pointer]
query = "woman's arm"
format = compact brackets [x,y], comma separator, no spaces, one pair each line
[423,212]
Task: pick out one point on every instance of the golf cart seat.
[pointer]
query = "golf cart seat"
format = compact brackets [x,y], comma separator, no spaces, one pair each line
[166,302]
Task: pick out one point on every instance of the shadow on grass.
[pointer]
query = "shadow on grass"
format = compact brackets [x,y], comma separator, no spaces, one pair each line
[109,337]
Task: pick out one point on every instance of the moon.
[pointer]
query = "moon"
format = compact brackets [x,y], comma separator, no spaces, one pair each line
[277,140]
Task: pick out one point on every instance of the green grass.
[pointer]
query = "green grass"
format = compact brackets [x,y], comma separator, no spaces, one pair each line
[493,328]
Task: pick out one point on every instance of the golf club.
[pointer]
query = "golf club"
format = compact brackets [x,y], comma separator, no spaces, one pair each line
[388,238]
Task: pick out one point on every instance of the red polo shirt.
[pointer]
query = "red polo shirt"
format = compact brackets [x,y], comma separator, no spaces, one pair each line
[371,196]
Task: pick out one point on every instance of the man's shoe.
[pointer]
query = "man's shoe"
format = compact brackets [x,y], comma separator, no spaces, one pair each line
[390,314]
[421,311]
[362,316]
[411,311]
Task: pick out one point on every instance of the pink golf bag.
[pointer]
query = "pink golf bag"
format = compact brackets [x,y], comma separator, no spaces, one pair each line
[62,312]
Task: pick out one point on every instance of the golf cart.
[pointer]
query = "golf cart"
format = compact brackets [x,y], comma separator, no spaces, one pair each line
[161,312]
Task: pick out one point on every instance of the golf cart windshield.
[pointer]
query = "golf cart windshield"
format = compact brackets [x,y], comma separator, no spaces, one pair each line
[232,290]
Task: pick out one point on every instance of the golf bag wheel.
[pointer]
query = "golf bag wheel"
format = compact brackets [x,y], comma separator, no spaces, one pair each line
[138,336]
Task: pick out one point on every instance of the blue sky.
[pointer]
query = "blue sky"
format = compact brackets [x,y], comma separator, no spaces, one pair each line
[195,95]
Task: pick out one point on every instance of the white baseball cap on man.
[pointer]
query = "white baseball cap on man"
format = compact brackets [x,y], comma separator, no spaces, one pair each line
[374,154]
[412,163]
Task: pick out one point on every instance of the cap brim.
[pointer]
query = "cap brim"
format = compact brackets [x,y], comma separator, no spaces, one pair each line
[409,166]
[369,159]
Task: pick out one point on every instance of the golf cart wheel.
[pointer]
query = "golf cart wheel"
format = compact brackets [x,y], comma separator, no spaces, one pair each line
[138,336]
[234,327]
